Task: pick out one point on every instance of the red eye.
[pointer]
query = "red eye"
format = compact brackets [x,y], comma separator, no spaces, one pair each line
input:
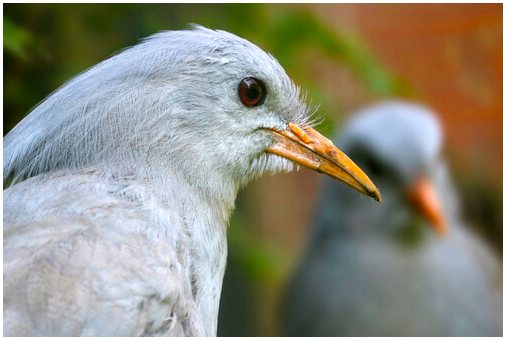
[251,92]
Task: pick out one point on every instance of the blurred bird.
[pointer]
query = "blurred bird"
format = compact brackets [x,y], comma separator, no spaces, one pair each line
[379,270]
[126,177]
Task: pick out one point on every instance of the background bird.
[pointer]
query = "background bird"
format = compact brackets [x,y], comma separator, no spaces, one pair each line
[125,177]
[380,270]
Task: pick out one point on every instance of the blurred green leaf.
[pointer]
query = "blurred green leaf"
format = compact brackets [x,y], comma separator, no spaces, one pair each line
[16,39]
[290,31]
[259,260]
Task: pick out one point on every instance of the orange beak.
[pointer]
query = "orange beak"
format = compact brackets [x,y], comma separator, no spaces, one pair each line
[307,147]
[423,197]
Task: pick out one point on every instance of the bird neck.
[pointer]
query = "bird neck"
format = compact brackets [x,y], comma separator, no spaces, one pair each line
[204,210]
[206,213]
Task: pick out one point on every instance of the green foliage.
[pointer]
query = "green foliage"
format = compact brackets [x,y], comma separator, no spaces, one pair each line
[16,39]
[292,31]
[259,260]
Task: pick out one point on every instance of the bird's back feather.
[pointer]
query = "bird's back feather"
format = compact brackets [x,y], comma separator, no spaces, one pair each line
[86,260]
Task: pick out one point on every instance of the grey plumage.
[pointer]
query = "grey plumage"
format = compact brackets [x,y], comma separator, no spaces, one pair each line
[371,270]
[125,178]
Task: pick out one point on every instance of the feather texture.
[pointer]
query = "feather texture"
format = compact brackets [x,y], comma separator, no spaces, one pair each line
[124,180]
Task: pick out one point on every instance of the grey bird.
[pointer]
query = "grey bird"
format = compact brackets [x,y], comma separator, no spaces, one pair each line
[122,182]
[380,270]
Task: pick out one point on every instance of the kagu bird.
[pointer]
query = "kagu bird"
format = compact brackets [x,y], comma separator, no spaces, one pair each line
[123,180]
[380,270]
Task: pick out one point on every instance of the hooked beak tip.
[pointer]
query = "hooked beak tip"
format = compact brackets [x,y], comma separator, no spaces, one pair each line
[374,193]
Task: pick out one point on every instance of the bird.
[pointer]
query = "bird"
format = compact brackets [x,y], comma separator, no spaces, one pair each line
[119,185]
[410,267]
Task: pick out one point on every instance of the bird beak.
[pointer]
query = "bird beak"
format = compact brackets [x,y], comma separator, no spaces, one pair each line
[423,197]
[307,147]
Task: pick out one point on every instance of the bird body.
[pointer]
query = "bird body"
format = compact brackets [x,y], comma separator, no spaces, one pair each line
[379,270]
[351,287]
[121,258]
[123,181]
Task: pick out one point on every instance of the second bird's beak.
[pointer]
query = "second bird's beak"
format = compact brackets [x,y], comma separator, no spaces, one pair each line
[307,147]
[423,197]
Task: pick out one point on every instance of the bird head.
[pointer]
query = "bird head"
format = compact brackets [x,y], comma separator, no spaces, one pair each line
[399,145]
[202,104]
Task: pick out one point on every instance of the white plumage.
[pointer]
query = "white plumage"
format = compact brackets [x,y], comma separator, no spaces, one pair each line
[124,180]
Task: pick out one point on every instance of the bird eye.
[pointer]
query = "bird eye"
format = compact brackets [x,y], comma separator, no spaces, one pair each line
[251,92]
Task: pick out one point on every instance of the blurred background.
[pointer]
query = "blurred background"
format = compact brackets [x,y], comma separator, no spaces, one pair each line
[447,56]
